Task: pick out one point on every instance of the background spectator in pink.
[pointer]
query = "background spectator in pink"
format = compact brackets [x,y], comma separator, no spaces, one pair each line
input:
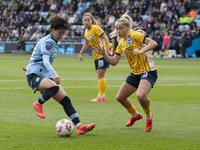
[166,43]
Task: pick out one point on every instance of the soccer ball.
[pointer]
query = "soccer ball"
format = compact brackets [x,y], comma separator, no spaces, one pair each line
[64,128]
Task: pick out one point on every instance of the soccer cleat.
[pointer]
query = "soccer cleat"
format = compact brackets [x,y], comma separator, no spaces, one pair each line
[38,109]
[82,129]
[98,99]
[149,123]
[103,99]
[132,120]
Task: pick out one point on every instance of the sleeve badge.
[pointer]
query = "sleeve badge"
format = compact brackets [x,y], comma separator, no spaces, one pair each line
[48,47]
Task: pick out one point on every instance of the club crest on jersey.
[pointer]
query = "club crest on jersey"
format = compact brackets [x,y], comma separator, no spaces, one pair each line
[48,47]
[91,36]
[37,79]
[129,41]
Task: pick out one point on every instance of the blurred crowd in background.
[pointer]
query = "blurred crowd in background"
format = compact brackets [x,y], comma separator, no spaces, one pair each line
[27,20]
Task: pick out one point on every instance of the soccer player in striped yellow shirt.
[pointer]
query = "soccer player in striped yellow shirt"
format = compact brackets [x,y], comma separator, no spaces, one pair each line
[135,45]
[94,35]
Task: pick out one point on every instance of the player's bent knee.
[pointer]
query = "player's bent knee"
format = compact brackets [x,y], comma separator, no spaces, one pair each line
[141,96]
[54,90]
[48,93]
[119,99]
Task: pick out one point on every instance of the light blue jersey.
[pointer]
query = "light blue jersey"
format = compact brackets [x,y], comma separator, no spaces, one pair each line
[45,47]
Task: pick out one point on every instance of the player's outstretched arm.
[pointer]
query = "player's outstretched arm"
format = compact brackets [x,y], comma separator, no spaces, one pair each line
[111,60]
[150,44]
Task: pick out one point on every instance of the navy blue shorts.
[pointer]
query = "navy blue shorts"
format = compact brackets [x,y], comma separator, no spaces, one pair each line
[134,80]
[34,80]
[101,63]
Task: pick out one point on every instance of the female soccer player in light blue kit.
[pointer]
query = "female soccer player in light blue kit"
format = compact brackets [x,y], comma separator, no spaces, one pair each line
[42,77]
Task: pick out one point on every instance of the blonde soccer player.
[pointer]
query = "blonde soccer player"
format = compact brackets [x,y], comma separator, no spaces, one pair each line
[94,35]
[135,45]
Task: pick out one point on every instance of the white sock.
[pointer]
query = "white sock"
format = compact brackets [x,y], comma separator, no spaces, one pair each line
[135,115]
[78,124]
[101,96]
[39,103]
[148,117]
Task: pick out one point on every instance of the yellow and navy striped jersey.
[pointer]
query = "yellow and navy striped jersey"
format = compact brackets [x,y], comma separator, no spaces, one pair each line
[93,36]
[141,62]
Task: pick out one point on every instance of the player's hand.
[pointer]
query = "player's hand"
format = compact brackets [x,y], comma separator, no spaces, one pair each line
[24,68]
[98,49]
[108,53]
[136,51]
[80,57]
[56,79]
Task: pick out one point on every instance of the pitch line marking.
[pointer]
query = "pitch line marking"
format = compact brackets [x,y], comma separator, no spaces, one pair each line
[112,79]
[112,86]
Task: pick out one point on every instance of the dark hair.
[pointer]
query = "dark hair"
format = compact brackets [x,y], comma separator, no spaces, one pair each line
[58,22]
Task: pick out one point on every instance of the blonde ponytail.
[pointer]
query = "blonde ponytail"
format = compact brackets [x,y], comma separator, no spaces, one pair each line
[127,21]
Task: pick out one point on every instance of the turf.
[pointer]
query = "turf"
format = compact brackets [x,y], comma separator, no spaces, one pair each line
[174,101]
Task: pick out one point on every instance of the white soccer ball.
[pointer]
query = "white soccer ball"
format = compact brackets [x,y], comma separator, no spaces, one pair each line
[64,128]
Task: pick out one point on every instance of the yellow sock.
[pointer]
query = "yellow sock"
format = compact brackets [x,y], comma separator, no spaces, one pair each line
[147,111]
[164,52]
[132,110]
[102,86]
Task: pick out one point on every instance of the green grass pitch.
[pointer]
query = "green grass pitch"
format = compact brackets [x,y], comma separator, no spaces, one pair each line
[175,102]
